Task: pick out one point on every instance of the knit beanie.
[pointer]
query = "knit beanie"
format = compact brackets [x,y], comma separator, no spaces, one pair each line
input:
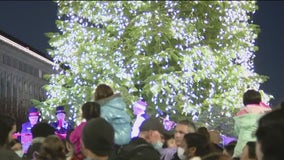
[98,136]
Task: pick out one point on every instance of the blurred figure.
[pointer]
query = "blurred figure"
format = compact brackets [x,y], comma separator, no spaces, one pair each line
[183,127]
[148,144]
[7,128]
[26,135]
[33,117]
[113,109]
[89,110]
[52,149]
[39,132]
[195,145]
[139,110]
[214,139]
[270,135]
[97,139]
[61,126]
[249,152]
[246,119]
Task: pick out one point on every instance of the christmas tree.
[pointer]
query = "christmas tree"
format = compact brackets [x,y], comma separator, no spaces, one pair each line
[185,58]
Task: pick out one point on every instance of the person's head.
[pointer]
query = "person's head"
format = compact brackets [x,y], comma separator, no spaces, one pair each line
[139,107]
[42,129]
[251,97]
[203,131]
[183,127]
[7,128]
[60,113]
[33,115]
[270,135]
[153,131]
[52,148]
[97,138]
[249,152]
[103,91]
[195,144]
[91,110]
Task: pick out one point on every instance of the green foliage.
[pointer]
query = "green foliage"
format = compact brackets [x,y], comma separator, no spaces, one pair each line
[188,59]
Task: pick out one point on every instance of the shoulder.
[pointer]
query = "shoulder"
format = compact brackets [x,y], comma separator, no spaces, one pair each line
[26,124]
[8,155]
[139,149]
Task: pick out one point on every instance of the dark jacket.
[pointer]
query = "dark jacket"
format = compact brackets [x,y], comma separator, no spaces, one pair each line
[8,155]
[138,149]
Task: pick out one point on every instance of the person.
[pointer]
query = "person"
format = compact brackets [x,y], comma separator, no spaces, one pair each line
[214,144]
[97,139]
[113,109]
[139,110]
[270,135]
[52,148]
[39,132]
[182,127]
[249,152]
[7,128]
[26,135]
[89,110]
[61,126]
[33,117]
[148,144]
[246,119]
[195,145]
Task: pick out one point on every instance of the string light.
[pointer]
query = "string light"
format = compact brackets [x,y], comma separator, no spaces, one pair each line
[178,57]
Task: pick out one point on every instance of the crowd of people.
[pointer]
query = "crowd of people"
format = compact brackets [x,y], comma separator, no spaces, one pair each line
[108,133]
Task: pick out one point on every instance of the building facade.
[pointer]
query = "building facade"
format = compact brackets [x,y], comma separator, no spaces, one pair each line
[21,78]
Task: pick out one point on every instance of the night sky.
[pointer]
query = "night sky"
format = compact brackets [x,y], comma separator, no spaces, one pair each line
[28,21]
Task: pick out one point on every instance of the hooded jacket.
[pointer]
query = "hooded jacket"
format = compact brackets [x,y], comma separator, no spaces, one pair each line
[113,109]
[246,122]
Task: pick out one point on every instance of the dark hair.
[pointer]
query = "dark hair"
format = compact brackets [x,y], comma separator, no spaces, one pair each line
[251,97]
[230,147]
[270,134]
[103,91]
[199,141]
[251,150]
[203,131]
[42,129]
[91,110]
[188,123]
[6,125]
[98,136]
[52,148]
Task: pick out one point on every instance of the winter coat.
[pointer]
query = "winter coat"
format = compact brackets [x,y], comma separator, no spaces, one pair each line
[113,109]
[245,127]
[75,137]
